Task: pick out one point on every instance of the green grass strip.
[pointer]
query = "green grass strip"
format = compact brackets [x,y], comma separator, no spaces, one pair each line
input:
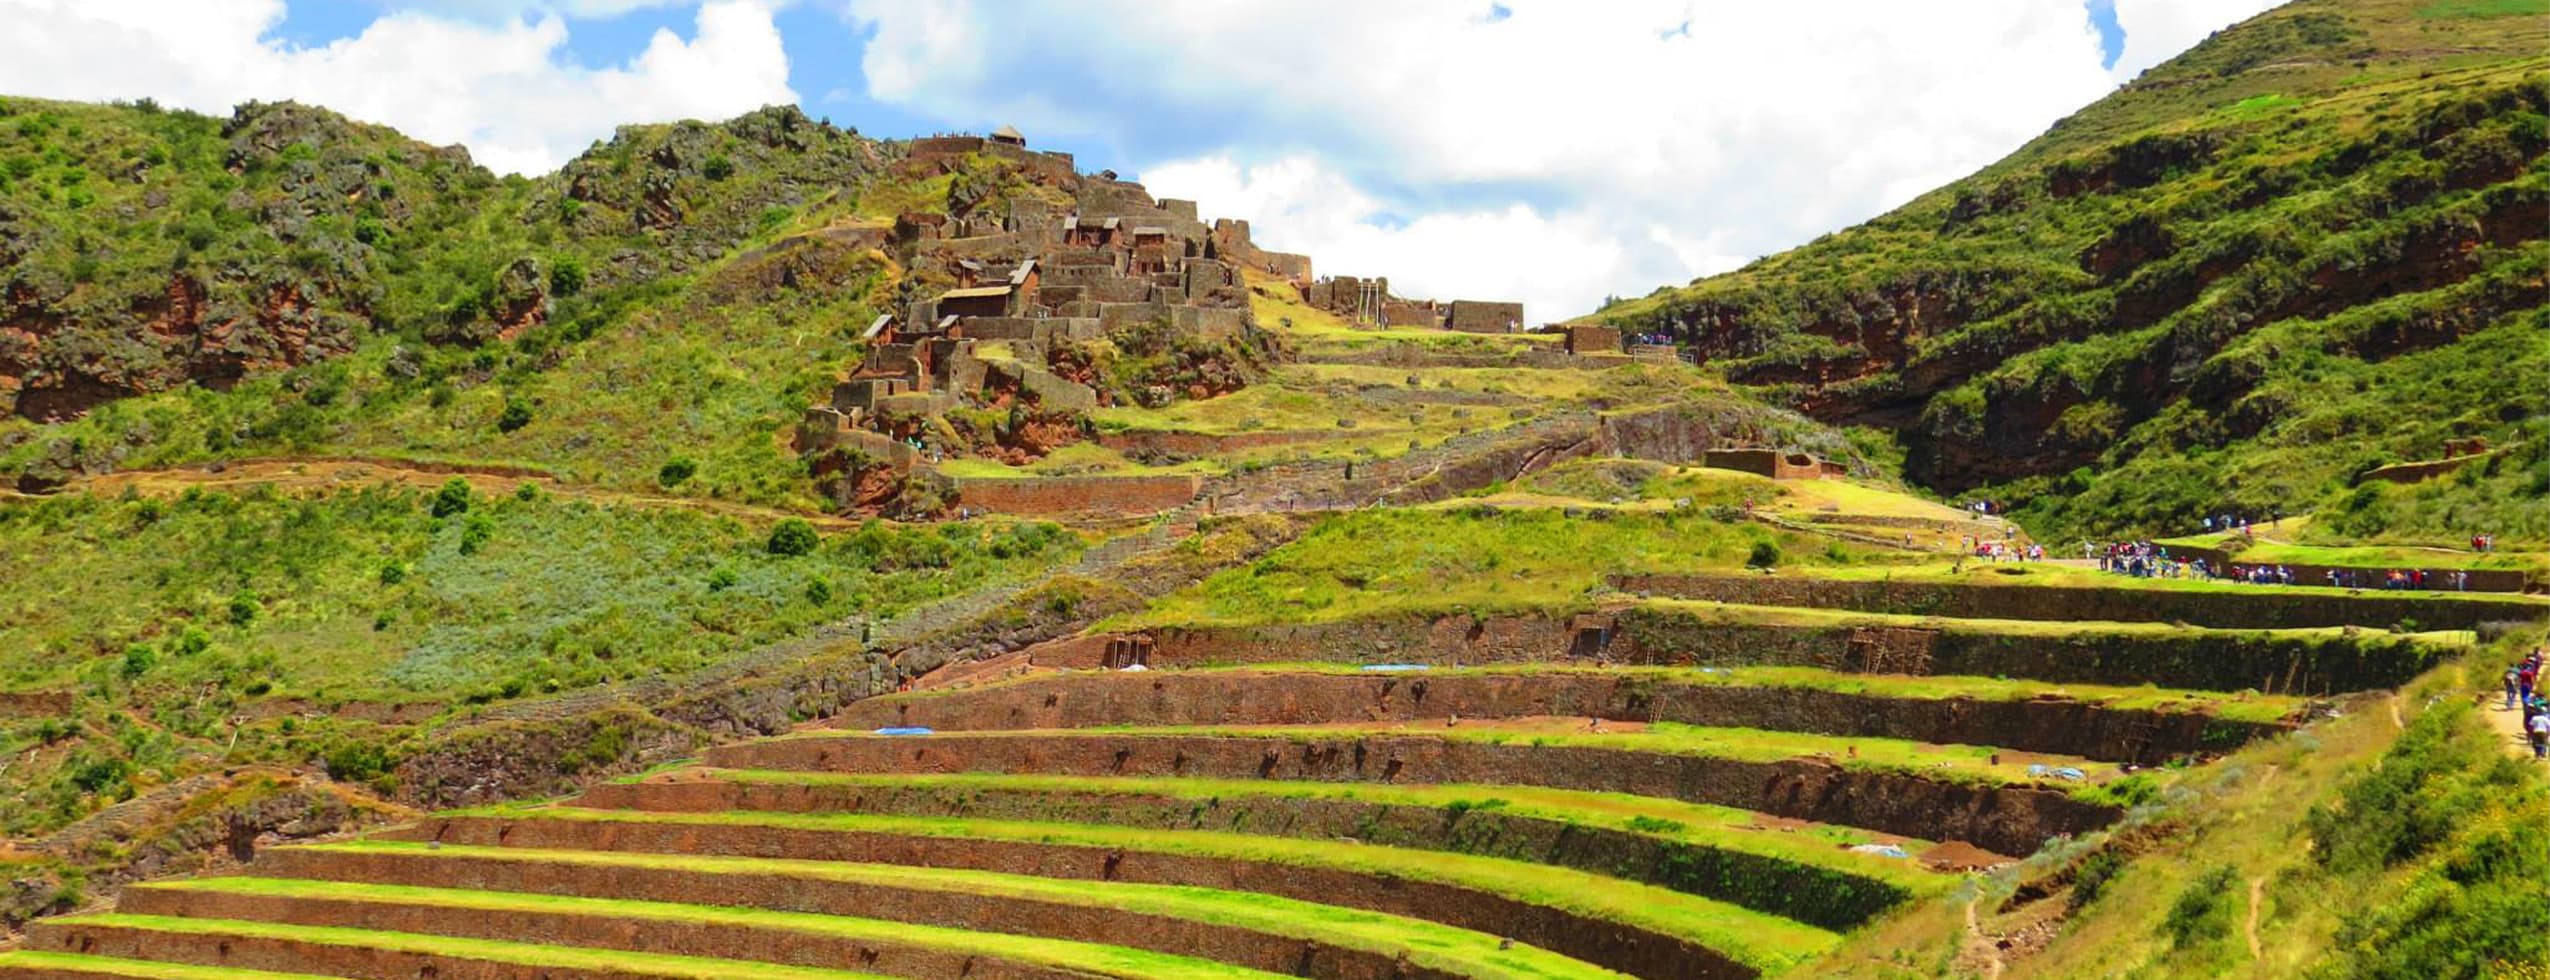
[518,954]
[1702,824]
[1970,764]
[106,966]
[1061,953]
[1930,687]
[1743,934]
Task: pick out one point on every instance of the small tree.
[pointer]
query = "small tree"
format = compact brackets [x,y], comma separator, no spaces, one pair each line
[793,537]
[516,415]
[453,498]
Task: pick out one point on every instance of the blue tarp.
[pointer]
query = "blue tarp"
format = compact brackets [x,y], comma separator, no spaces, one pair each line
[1397,668]
[904,730]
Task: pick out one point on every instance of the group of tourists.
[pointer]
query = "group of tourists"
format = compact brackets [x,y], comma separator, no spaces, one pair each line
[2523,691]
[2228,522]
[2143,559]
[2000,551]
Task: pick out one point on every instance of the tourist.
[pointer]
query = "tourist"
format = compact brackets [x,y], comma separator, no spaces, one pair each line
[2513,696]
[2539,730]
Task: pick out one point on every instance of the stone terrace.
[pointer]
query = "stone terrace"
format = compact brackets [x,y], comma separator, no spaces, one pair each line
[1613,793]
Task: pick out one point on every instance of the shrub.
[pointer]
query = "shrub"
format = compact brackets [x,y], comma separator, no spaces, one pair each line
[566,275]
[721,579]
[356,762]
[243,609]
[1765,555]
[475,533]
[793,537]
[138,660]
[515,416]
[453,498]
[2202,911]
[676,470]
[718,167]
[818,591]
[527,491]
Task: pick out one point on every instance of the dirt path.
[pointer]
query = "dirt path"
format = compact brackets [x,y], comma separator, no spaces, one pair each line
[1992,965]
[2257,899]
[2508,725]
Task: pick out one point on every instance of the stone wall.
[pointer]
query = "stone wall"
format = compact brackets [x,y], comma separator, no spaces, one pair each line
[1073,496]
[1773,463]
[1590,338]
[1477,316]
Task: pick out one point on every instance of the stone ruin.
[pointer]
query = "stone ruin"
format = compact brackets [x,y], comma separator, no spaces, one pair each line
[1069,260]
[1370,302]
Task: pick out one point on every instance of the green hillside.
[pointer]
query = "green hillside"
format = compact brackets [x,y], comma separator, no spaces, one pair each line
[2311,246]
[318,285]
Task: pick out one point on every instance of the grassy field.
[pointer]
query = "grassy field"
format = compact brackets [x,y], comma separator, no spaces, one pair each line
[1052,953]
[1426,943]
[2247,550]
[1473,559]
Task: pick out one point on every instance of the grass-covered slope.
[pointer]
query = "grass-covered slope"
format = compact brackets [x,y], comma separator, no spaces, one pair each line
[2309,246]
[217,630]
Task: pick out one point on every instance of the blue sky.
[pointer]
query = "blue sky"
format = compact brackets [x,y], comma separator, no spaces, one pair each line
[1550,150]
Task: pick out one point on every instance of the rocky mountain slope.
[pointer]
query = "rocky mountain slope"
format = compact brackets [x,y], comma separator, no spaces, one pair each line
[2310,246]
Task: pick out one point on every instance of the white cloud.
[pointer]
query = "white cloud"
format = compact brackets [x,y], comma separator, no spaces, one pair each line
[1295,204]
[506,90]
[1565,152]
[2157,30]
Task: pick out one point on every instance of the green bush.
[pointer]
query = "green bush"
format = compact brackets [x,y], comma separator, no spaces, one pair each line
[356,761]
[675,470]
[453,498]
[515,416]
[793,537]
[566,275]
[2202,911]
[1765,555]
[243,609]
[475,533]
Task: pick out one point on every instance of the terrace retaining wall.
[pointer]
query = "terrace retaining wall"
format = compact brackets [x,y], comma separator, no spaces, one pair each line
[2192,659]
[1615,945]
[671,937]
[2056,724]
[1819,895]
[2259,607]
[2002,818]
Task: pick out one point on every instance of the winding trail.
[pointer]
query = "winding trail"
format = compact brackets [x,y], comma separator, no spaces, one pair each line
[332,472]
[2257,900]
